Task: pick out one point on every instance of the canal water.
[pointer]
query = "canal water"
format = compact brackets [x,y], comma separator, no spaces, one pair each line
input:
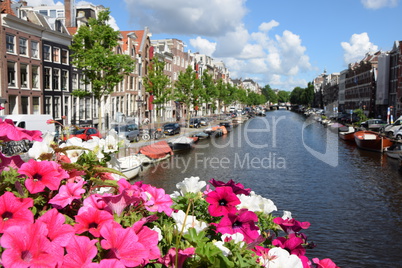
[351,197]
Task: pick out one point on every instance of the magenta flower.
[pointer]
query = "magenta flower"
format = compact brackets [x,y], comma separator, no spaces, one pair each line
[58,232]
[243,222]
[237,188]
[148,238]
[92,220]
[10,162]
[80,252]
[123,245]
[67,194]
[14,211]
[117,203]
[169,260]
[292,244]
[108,263]
[94,201]
[157,201]
[28,246]
[42,174]
[291,225]
[222,201]
[9,132]
[325,263]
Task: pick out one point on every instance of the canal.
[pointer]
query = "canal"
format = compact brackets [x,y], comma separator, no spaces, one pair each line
[352,198]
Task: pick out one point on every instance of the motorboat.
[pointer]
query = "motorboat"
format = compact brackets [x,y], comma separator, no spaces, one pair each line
[347,133]
[372,141]
[181,143]
[394,151]
[155,152]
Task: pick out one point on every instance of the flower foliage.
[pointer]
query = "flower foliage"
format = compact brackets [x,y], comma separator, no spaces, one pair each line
[67,207]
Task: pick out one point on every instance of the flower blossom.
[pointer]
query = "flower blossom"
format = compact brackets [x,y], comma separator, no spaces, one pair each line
[190,185]
[92,220]
[10,162]
[156,200]
[290,225]
[325,263]
[292,244]
[237,188]
[67,194]
[9,132]
[256,203]
[184,223]
[14,211]
[58,232]
[41,147]
[278,258]
[243,222]
[222,201]
[42,174]
[80,252]
[169,260]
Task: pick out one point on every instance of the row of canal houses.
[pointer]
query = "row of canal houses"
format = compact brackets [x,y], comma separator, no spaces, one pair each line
[374,85]
[37,76]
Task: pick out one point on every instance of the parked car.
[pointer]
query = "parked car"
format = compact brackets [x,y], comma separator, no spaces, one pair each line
[194,123]
[171,129]
[373,124]
[349,118]
[130,131]
[204,121]
[392,129]
[84,133]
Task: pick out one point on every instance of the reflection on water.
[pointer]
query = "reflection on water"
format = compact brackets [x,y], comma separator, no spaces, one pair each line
[354,207]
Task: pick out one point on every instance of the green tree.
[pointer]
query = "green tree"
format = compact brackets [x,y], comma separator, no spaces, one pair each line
[269,94]
[210,91]
[222,93]
[283,96]
[93,52]
[157,83]
[187,89]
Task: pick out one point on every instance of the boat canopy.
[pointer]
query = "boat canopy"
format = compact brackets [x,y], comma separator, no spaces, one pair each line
[156,150]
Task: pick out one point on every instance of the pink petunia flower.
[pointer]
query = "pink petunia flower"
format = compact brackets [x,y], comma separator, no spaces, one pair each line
[80,252]
[67,194]
[42,174]
[117,203]
[169,260]
[291,225]
[92,220]
[95,201]
[9,132]
[222,201]
[237,188]
[293,244]
[28,246]
[108,263]
[122,244]
[148,238]
[325,263]
[58,232]
[157,201]
[14,211]
[243,222]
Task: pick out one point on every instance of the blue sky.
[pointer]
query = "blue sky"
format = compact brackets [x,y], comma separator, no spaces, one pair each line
[281,43]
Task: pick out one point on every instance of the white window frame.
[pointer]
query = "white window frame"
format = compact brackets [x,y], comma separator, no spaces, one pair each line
[35,49]
[23,46]
[47,53]
[10,43]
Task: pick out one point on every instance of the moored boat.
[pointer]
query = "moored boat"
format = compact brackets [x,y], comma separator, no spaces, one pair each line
[181,143]
[394,151]
[370,140]
[130,166]
[155,152]
[347,133]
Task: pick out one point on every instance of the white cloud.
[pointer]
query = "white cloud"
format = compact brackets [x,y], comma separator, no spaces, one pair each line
[267,26]
[358,46]
[377,4]
[207,18]
[43,2]
[203,45]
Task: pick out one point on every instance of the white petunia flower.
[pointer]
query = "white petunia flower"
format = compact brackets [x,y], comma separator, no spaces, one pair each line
[159,231]
[111,144]
[191,222]
[238,238]
[287,215]
[190,185]
[279,258]
[225,251]
[73,154]
[256,203]
[40,147]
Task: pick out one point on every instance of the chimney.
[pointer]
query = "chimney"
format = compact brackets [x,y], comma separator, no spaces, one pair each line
[67,12]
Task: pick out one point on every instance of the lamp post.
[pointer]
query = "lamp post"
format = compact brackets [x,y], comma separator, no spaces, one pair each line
[139,103]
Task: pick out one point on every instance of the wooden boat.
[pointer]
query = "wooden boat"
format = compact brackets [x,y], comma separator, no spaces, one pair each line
[227,124]
[347,133]
[394,151]
[201,135]
[370,140]
[215,131]
[130,166]
[181,143]
[155,152]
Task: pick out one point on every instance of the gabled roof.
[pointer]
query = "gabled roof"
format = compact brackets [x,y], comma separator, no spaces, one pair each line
[5,7]
[139,39]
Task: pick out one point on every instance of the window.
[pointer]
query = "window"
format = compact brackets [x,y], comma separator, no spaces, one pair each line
[25,105]
[56,78]
[75,81]
[10,43]
[66,102]
[11,74]
[24,75]
[64,56]
[56,54]
[48,105]
[47,78]
[23,46]
[34,49]
[35,76]
[36,105]
[64,80]
[87,108]
[46,52]
[57,106]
